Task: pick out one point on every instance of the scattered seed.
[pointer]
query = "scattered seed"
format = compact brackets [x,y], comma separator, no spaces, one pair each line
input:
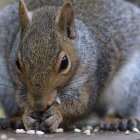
[39,132]
[20,131]
[87,132]
[30,132]
[127,132]
[77,130]
[59,130]
[3,137]
[136,130]
[96,129]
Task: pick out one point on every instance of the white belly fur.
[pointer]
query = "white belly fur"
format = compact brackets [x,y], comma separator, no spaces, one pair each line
[123,94]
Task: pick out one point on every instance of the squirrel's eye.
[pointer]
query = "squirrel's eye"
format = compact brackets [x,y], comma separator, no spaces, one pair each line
[64,63]
[18,64]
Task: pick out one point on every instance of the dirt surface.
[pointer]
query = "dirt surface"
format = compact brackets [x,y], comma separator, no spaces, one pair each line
[72,136]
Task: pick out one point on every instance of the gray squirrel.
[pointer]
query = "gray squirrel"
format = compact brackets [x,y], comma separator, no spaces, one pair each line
[64,63]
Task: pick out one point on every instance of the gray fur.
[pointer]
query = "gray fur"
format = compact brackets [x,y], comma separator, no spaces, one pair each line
[7,88]
[108,46]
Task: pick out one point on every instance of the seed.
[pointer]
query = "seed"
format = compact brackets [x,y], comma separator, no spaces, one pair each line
[39,132]
[30,132]
[59,130]
[3,137]
[58,100]
[127,132]
[96,129]
[77,130]
[20,131]
[87,132]
[136,130]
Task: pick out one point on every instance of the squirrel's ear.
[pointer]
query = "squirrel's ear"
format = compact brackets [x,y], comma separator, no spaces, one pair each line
[65,20]
[25,16]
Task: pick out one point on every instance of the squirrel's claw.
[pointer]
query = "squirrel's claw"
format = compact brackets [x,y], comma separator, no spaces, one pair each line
[30,121]
[51,120]
[123,125]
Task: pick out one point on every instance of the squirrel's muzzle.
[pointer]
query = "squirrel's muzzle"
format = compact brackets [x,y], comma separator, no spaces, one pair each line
[38,104]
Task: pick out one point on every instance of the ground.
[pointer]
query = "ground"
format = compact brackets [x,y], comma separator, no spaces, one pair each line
[102,135]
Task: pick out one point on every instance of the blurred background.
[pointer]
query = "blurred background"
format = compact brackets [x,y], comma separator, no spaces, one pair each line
[4,2]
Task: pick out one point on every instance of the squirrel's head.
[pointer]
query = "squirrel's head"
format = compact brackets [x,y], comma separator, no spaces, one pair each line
[46,59]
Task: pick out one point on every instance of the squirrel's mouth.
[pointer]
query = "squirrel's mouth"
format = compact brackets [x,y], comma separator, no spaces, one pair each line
[41,102]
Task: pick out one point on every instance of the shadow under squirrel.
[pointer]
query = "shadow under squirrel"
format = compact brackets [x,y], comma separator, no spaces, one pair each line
[64,63]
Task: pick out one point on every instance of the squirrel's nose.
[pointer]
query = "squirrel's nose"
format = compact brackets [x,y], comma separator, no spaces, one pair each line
[39,107]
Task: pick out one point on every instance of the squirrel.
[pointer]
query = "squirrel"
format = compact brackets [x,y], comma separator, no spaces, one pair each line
[68,62]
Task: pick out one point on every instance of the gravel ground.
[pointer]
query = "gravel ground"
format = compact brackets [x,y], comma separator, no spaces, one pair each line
[11,135]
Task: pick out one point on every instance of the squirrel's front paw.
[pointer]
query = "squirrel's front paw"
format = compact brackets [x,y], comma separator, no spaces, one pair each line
[31,119]
[51,119]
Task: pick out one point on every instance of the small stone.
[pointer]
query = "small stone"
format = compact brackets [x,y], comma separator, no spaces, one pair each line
[3,137]
[87,132]
[20,131]
[127,132]
[59,130]
[30,132]
[77,130]
[136,130]
[39,132]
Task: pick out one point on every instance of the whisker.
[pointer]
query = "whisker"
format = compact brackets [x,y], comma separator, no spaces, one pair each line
[4,64]
[7,86]
[5,77]
[8,80]
[12,87]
